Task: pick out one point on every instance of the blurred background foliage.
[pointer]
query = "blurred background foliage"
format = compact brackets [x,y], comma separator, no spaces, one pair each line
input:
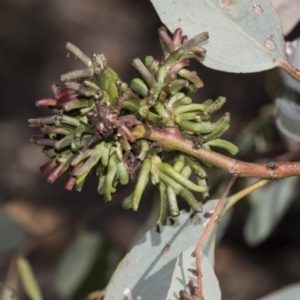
[77,233]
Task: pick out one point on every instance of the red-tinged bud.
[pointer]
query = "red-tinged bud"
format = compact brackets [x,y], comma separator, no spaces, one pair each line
[177,37]
[46,102]
[75,168]
[70,183]
[58,171]
[165,40]
[72,180]
[49,165]
[66,98]
[63,93]
[198,49]
[41,140]
[54,175]
[179,65]
[45,142]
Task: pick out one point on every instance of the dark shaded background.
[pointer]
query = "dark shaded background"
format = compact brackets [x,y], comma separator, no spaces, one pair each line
[32,57]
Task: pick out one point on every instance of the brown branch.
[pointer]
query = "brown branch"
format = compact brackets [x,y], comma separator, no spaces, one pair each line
[294,72]
[171,139]
[213,218]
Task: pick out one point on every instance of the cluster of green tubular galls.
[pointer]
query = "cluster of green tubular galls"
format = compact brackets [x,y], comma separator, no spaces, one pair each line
[94,114]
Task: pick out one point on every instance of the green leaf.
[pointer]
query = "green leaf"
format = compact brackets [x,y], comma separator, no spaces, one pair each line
[75,263]
[269,204]
[181,276]
[147,269]
[291,292]
[245,36]
[28,280]
[12,234]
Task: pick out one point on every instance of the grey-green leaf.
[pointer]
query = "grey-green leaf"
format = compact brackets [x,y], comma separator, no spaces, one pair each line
[290,292]
[147,269]
[28,280]
[288,119]
[244,36]
[269,205]
[181,276]
[75,263]
[12,234]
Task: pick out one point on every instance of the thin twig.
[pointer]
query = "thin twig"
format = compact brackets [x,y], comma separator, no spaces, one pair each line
[294,72]
[213,218]
[243,193]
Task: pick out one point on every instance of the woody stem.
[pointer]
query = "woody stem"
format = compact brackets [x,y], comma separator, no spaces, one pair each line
[171,139]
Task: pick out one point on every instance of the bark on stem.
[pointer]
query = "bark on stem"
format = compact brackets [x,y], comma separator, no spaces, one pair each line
[207,230]
[171,139]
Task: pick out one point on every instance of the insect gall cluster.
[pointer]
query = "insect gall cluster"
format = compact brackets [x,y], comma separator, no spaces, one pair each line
[91,128]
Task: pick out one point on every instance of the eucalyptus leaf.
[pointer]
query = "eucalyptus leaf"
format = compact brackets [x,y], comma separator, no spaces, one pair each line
[28,280]
[75,263]
[244,36]
[290,292]
[12,234]
[269,205]
[181,276]
[146,270]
